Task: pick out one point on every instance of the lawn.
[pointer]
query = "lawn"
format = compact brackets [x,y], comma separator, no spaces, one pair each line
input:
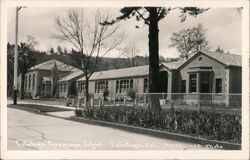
[38,108]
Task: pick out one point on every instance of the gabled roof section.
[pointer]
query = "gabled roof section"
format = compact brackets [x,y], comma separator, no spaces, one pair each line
[71,75]
[223,58]
[173,65]
[119,73]
[226,58]
[50,64]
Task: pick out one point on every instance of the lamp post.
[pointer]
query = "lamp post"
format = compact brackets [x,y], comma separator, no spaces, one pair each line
[16,59]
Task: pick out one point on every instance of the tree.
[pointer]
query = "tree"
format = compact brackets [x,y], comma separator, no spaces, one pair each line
[26,59]
[219,50]
[59,50]
[130,51]
[151,17]
[10,68]
[91,40]
[189,41]
[52,51]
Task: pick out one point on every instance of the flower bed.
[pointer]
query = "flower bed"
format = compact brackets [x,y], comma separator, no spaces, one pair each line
[213,126]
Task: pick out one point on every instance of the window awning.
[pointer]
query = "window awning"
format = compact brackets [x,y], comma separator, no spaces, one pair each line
[200,69]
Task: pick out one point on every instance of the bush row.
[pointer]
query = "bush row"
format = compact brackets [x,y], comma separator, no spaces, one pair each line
[215,126]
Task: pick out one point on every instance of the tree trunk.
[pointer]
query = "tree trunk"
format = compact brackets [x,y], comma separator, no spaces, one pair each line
[154,103]
[22,86]
[87,88]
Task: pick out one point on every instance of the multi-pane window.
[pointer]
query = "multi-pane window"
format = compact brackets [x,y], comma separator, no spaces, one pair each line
[145,86]
[100,86]
[81,87]
[33,82]
[218,85]
[193,82]
[205,85]
[123,85]
[183,86]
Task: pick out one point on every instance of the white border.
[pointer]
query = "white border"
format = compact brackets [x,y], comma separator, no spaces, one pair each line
[159,154]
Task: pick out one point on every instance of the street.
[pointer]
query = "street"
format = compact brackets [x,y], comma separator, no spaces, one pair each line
[31,131]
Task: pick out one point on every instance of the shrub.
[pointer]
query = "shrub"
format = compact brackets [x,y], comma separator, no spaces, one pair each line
[27,95]
[105,94]
[71,96]
[216,126]
[131,93]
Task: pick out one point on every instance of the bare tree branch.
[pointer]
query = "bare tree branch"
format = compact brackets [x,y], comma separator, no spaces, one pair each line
[91,39]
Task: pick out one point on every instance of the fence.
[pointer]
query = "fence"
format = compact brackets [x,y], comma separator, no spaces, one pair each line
[166,100]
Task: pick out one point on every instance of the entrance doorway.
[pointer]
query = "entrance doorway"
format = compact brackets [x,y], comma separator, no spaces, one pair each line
[163,83]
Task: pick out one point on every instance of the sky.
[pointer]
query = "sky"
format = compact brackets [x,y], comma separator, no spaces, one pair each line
[224,29]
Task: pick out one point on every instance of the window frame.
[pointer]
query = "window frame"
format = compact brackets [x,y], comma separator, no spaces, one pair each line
[193,82]
[220,85]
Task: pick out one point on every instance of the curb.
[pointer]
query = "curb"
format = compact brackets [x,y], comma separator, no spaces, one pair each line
[212,144]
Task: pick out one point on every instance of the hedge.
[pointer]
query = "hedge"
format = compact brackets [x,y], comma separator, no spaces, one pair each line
[214,126]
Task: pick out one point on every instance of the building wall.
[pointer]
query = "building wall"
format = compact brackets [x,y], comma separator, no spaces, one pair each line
[138,86]
[235,78]
[219,71]
[29,87]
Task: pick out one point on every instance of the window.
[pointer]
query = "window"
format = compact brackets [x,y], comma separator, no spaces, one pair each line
[61,87]
[33,81]
[29,82]
[183,86]
[81,87]
[117,86]
[25,83]
[65,87]
[218,85]
[101,86]
[205,85]
[193,82]
[145,87]
[57,88]
[123,85]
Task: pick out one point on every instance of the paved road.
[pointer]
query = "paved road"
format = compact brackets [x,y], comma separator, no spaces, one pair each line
[30,131]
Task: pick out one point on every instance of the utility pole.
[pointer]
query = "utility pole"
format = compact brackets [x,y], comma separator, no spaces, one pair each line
[16,59]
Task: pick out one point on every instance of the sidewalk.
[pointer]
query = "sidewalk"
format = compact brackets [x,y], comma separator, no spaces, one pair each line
[60,114]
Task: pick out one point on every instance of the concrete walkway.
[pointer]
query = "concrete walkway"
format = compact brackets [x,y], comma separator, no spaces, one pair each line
[29,131]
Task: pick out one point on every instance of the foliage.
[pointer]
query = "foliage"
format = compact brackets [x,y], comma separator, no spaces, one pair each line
[214,126]
[151,17]
[105,94]
[131,93]
[189,41]
[130,51]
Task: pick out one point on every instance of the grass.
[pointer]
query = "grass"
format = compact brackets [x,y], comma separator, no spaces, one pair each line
[38,108]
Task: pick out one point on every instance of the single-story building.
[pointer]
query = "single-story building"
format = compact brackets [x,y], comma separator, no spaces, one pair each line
[211,76]
[41,80]
[119,81]
[205,76]
[66,86]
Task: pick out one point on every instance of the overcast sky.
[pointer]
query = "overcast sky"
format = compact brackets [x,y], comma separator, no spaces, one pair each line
[223,29]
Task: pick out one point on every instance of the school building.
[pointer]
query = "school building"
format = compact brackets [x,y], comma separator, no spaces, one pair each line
[206,75]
